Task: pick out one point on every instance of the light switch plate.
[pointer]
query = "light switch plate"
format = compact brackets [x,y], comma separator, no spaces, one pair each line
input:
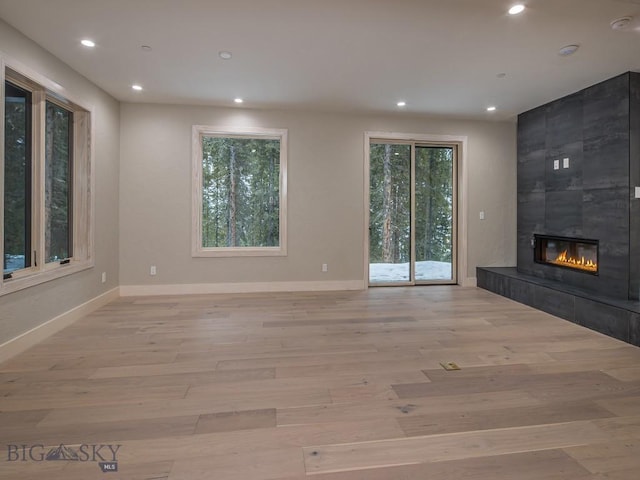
[565,163]
[556,164]
[637,192]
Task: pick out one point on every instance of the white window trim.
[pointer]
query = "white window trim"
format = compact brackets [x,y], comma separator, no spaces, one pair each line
[83,180]
[198,131]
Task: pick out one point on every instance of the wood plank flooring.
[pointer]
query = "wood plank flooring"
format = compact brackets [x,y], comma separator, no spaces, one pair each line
[324,386]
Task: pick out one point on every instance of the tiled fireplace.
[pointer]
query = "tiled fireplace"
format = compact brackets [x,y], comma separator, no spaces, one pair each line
[578,166]
[578,241]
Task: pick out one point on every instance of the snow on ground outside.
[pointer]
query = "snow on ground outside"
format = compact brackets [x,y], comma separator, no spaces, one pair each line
[378,272]
[399,272]
[13,262]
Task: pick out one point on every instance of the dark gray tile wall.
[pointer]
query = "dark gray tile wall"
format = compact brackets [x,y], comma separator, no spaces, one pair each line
[554,302]
[523,292]
[532,131]
[532,128]
[634,168]
[564,121]
[608,101]
[602,318]
[598,129]
[634,329]
[563,213]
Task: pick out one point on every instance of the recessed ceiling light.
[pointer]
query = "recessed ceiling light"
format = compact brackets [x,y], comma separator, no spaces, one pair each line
[501,75]
[402,104]
[225,55]
[136,87]
[568,50]
[621,23]
[516,9]
[88,43]
[146,48]
[491,109]
[238,100]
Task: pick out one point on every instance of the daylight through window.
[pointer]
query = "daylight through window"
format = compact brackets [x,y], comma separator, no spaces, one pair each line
[240,191]
[58,187]
[17,178]
[47,185]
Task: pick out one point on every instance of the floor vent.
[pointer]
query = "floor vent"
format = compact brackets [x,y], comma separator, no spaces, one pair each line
[450,365]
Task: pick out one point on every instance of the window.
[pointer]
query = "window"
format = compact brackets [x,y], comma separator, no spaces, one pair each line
[46,196]
[58,205]
[17,178]
[239,194]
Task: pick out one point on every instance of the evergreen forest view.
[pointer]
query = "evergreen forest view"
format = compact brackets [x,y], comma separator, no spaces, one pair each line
[20,184]
[240,192]
[390,207]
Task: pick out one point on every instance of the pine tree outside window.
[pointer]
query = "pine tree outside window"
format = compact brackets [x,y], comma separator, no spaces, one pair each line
[58,183]
[46,199]
[239,197]
[17,178]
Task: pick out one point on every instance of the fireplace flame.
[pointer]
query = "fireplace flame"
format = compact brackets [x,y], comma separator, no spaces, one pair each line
[566,260]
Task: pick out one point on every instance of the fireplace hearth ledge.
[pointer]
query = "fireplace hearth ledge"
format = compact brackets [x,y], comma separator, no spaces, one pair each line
[616,318]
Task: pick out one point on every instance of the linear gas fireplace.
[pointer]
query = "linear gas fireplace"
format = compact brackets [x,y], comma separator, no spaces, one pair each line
[577,254]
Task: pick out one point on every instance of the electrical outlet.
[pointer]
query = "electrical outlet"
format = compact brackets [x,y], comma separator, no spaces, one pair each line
[556,164]
[481,215]
[325,267]
[152,270]
[104,277]
[565,163]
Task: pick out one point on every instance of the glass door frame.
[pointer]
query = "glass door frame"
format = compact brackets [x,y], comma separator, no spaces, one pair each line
[412,263]
[459,258]
[454,210]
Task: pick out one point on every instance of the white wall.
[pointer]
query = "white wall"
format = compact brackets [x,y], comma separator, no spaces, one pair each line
[26,309]
[326,185]
[143,193]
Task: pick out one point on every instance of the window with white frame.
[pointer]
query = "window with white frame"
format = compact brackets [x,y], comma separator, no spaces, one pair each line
[46,183]
[239,191]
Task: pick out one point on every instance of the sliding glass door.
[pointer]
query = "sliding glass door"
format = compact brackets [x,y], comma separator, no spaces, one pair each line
[412,210]
[390,213]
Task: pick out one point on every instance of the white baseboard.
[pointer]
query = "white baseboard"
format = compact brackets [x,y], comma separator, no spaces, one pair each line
[30,338]
[470,282]
[258,287]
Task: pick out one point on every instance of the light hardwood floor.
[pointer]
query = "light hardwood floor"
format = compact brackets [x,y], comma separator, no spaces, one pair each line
[326,386]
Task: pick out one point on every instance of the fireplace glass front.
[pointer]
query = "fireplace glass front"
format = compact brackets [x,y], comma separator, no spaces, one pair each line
[574,253]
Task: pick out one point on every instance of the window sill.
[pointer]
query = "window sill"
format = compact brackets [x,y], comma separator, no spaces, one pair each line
[16,284]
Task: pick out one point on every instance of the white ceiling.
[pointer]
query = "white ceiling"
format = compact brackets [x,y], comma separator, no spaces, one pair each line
[440,56]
